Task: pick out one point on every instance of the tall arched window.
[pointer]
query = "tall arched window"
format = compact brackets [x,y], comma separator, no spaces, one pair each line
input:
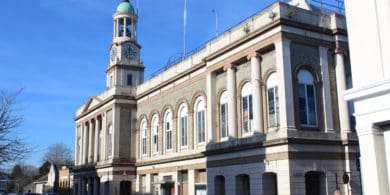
[155,133]
[168,130]
[223,114]
[183,125]
[307,99]
[200,123]
[144,137]
[273,100]
[247,108]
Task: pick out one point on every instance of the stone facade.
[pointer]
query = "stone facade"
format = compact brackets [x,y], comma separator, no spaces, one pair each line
[256,111]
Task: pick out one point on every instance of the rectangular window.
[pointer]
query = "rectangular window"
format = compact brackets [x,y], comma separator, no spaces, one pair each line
[155,138]
[129,80]
[183,130]
[201,126]
[224,116]
[307,105]
[168,136]
[273,107]
[247,114]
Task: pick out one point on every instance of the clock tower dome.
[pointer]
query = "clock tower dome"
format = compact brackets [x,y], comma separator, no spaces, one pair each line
[125,68]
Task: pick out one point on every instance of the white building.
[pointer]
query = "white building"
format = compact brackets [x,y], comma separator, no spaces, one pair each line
[257,110]
[369,30]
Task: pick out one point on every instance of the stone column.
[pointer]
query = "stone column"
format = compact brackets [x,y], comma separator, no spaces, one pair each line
[90,141]
[85,143]
[124,26]
[96,144]
[326,98]
[232,103]
[285,87]
[95,186]
[341,86]
[373,161]
[76,144]
[104,140]
[90,186]
[255,59]
[210,107]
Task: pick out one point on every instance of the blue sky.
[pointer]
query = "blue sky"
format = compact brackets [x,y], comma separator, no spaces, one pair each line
[58,51]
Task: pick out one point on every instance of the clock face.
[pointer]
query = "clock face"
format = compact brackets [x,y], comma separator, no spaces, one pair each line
[130,51]
[113,53]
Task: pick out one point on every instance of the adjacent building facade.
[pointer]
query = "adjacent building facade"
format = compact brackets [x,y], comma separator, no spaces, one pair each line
[258,110]
[370,47]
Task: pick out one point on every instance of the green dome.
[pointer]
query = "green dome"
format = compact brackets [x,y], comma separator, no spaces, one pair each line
[125,7]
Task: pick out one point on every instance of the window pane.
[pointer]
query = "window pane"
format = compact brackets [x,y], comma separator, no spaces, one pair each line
[302,104]
[224,120]
[311,105]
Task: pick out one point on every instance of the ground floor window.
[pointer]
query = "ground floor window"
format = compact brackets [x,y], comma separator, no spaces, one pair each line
[219,185]
[242,185]
[315,183]
[269,184]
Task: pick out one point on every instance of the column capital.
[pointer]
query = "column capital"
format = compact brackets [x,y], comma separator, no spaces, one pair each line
[230,66]
[340,50]
[254,54]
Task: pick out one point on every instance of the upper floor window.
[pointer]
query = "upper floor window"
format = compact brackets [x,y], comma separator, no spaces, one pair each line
[129,80]
[144,137]
[307,99]
[273,100]
[247,108]
[168,130]
[110,141]
[223,102]
[200,124]
[155,133]
[183,125]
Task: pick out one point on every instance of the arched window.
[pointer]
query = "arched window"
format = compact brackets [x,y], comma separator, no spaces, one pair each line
[183,125]
[273,100]
[247,108]
[155,133]
[168,130]
[243,185]
[223,114]
[219,185]
[144,137]
[307,99]
[200,123]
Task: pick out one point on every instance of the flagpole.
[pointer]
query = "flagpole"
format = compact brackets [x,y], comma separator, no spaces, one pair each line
[184,28]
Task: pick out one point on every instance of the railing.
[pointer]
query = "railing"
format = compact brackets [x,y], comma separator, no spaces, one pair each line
[334,5]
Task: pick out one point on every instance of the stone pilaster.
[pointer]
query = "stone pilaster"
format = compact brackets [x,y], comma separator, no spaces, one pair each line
[285,87]
[210,107]
[326,98]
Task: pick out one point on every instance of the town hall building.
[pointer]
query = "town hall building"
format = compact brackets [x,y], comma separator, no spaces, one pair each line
[258,110]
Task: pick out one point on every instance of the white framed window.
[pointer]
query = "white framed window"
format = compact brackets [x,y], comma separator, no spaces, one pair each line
[168,130]
[273,100]
[307,99]
[110,141]
[155,133]
[200,123]
[247,108]
[223,115]
[183,126]
[144,136]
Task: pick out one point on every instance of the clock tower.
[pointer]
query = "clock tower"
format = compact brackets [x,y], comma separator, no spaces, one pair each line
[125,68]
